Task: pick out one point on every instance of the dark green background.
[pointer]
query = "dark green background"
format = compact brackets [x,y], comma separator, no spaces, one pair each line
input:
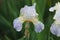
[10,9]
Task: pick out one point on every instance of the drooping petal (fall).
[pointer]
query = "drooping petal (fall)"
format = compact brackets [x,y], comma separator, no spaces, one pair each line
[55,29]
[17,23]
[39,26]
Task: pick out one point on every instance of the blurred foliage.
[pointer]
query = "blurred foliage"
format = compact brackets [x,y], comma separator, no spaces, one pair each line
[10,9]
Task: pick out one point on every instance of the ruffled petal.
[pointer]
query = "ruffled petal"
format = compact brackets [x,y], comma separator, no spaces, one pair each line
[55,29]
[51,9]
[28,12]
[17,23]
[39,26]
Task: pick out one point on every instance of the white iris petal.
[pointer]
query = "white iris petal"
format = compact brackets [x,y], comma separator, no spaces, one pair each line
[17,24]
[51,9]
[55,29]
[57,15]
[28,13]
[39,26]
[57,9]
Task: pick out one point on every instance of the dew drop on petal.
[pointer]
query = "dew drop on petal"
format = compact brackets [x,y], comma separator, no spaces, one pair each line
[55,29]
[39,26]
[17,24]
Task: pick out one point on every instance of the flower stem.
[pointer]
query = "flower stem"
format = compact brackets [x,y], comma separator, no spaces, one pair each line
[27,34]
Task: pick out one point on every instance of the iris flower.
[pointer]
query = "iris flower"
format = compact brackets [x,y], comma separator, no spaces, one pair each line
[28,14]
[55,28]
